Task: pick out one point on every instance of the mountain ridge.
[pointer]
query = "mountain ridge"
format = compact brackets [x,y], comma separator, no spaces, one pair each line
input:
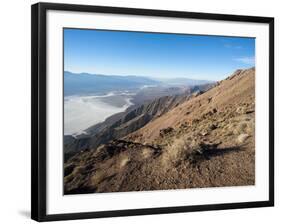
[123,123]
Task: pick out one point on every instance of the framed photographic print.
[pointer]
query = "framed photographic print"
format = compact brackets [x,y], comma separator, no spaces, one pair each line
[139,111]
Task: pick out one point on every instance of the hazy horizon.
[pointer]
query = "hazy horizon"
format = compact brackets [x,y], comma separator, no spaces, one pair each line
[144,76]
[151,76]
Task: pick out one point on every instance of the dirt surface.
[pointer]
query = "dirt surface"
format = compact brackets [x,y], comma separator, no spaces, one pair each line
[206,141]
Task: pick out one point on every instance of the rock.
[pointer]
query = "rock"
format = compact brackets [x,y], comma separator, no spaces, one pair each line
[195,121]
[242,138]
[241,110]
[204,133]
[211,112]
[212,127]
[165,131]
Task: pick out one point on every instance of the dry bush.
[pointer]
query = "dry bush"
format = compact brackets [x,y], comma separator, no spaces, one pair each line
[176,151]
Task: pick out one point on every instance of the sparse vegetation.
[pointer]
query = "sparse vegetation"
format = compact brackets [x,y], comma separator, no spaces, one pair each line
[205,141]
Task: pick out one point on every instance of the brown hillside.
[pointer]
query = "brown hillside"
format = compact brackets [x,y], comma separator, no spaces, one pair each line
[206,141]
[237,91]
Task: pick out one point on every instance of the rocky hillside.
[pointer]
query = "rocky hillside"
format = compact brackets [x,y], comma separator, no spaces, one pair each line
[206,140]
[124,123]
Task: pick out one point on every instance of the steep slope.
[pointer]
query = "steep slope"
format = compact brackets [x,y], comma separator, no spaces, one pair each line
[237,91]
[206,141]
[122,124]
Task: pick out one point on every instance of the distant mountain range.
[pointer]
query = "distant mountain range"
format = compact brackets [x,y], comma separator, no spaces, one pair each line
[85,83]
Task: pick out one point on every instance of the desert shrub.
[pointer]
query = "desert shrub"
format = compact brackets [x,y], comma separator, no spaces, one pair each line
[240,128]
[176,151]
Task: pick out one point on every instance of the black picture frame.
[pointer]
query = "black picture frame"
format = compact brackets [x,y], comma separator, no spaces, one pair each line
[39,123]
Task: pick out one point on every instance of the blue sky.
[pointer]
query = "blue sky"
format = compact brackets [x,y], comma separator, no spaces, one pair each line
[156,55]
